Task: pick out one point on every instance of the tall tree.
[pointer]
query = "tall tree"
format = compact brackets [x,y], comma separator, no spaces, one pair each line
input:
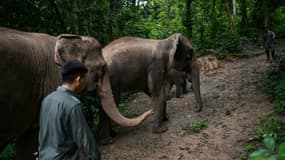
[234,7]
[59,16]
[244,19]
[188,18]
[226,4]
[266,13]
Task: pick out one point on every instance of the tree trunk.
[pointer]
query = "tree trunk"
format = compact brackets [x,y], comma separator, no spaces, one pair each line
[202,28]
[234,7]
[213,8]
[244,20]
[226,4]
[188,18]
[57,12]
[113,7]
[266,13]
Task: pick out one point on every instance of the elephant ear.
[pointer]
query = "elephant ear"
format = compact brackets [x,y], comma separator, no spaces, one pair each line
[181,53]
[68,47]
[174,41]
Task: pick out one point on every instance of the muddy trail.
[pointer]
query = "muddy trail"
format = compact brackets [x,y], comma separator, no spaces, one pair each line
[233,97]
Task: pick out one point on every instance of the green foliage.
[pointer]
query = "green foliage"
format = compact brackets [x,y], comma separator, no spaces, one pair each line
[91,111]
[206,23]
[268,127]
[8,153]
[197,126]
[272,151]
[275,85]
[123,106]
[249,148]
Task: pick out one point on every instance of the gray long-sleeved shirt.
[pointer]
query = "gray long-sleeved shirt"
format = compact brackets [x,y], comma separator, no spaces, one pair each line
[63,128]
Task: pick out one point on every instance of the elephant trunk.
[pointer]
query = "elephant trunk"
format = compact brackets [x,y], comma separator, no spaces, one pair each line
[195,77]
[110,107]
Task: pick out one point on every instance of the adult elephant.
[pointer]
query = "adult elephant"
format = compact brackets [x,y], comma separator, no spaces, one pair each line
[29,72]
[137,64]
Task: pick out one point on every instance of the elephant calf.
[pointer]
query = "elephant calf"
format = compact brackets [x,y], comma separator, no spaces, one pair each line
[179,79]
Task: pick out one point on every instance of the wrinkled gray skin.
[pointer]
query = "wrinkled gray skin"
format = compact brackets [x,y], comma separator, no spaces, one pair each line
[179,79]
[29,73]
[141,65]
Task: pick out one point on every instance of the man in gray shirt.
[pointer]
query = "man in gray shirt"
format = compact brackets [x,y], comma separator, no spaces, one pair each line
[268,40]
[64,133]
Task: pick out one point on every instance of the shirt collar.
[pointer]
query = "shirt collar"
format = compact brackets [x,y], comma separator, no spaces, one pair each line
[63,89]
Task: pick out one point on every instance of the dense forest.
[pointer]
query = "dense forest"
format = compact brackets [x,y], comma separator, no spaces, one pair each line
[220,24]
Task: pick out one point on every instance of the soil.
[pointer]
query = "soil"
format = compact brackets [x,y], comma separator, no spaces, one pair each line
[233,97]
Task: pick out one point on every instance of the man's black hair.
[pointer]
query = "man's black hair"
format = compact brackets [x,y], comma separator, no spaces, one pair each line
[71,69]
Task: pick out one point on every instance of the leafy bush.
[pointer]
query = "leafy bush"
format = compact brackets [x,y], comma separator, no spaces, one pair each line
[123,106]
[272,152]
[8,153]
[229,42]
[197,126]
[275,85]
[91,110]
[268,126]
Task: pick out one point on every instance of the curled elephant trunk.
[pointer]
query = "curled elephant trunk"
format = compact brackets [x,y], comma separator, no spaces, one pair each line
[195,78]
[110,107]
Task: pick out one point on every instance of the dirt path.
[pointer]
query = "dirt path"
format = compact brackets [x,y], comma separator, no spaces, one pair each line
[233,97]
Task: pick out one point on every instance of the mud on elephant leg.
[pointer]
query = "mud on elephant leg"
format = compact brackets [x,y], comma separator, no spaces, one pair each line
[27,145]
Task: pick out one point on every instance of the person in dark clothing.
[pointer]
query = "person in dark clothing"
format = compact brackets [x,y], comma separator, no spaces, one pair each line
[268,40]
[64,133]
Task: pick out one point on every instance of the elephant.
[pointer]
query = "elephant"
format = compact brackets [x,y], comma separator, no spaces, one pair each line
[141,65]
[29,68]
[179,79]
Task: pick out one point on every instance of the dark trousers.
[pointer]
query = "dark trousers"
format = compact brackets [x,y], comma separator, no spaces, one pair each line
[270,51]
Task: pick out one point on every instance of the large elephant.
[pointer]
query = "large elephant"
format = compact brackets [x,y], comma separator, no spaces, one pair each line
[141,65]
[29,73]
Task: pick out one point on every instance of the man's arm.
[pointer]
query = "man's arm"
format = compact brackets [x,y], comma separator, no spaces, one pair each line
[82,134]
[273,35]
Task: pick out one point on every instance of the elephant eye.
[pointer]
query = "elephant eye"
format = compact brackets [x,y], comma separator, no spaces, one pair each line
[188,57]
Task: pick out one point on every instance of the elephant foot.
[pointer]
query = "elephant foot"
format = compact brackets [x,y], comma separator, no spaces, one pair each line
[113,133]
[165,118]
[159,129]
[107,140]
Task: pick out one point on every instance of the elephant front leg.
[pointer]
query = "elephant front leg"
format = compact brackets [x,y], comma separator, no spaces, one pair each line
[158,100]
[106,133]
[159,107]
